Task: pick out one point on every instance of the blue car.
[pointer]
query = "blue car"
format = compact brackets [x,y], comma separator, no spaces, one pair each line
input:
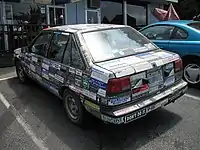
[182,37]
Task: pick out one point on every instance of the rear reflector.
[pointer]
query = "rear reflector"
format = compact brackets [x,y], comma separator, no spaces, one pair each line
[118,85]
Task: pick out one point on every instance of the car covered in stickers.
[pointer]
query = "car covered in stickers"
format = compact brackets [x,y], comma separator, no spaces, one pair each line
[110,71]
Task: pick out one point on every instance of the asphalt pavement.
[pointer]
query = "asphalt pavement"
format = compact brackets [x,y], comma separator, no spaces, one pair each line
[33,119]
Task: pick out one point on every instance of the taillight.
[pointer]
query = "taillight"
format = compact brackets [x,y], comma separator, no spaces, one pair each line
[118,85]
[178,65]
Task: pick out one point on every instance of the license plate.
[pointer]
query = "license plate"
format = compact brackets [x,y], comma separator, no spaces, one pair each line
[144,111]
[136,115]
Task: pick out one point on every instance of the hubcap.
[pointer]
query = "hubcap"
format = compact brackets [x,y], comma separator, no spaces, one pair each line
[192,73]
[72,107]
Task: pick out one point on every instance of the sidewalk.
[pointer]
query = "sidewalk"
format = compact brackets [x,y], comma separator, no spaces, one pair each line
[7,72]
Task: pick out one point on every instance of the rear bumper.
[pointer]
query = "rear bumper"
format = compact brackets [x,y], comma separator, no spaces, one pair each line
[132,112]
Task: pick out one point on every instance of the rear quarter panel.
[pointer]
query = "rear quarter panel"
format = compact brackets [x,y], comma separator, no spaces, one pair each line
[184,48]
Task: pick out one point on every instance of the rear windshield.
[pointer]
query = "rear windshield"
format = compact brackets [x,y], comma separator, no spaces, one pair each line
[115,43]
[195,25]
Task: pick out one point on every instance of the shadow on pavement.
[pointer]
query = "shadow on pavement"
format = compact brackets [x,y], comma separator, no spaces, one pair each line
[48,109]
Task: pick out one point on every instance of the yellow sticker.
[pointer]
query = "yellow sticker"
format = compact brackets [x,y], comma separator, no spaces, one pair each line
[92,105]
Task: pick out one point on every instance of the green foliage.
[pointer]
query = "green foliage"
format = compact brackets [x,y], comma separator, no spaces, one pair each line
[187,9]
[34,16]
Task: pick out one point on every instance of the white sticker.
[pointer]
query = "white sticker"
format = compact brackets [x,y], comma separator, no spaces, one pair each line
[123,71]
[79,72]
[59,78]
[99,76]
[101,92]
[142,66]
[51,75]
[84,92]
[32,67]
[169,81]
[57,66]
[120,100]
[45,66]
[72,70]
[141,49]
[126,110]
[38,77]
[163,54]
[138,76]
[46,76]
[35,59]
[147,102]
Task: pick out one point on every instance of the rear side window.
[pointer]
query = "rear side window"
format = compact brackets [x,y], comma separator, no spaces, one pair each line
[179,34]
[195,25]
[161,32]
[57,47]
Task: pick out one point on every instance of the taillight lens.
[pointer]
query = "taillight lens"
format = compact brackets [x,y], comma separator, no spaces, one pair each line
[178,65]
[118,85]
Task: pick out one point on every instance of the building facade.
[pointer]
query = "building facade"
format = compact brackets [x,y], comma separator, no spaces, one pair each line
[131,12]
[136,13]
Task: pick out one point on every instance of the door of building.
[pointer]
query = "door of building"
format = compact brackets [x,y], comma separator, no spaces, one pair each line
[55,15]
[93,16]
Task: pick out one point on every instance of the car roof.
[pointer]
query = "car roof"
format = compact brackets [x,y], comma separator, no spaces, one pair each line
[174,22]
[84,27]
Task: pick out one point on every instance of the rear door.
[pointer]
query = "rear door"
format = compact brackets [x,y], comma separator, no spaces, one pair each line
[53,71]
[38,51]
[178,42]
[159,34]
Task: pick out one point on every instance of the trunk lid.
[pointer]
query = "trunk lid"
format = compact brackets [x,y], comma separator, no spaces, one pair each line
[149,72]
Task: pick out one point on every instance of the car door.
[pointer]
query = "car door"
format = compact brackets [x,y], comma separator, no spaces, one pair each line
[37,52]
[178,43]
[159,34]
[53,71]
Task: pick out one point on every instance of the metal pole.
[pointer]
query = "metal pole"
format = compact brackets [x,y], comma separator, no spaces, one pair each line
[54,11]
[124,11]
[2,12]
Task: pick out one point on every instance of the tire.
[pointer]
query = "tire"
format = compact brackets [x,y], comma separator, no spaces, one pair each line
[71,99]
[22,76]
[191,72]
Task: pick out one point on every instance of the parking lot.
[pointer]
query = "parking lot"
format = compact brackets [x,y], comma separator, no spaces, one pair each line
[31,118]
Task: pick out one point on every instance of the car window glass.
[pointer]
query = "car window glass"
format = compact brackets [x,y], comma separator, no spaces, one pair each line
[41,44]
[67,54]
[158,32]
[57,47]
[77,61]
[179,34]
[195,25]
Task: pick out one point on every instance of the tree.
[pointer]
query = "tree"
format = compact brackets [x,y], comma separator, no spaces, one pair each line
[187,9]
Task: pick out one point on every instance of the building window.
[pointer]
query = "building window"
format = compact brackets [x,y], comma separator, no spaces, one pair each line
[136,15]
[111,12]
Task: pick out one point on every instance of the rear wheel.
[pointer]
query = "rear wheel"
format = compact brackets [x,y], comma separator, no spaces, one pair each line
[191,72]
[22,76]
[74,109]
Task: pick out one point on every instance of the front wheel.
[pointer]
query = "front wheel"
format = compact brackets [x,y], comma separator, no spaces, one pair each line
[191,73]
[22,76]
